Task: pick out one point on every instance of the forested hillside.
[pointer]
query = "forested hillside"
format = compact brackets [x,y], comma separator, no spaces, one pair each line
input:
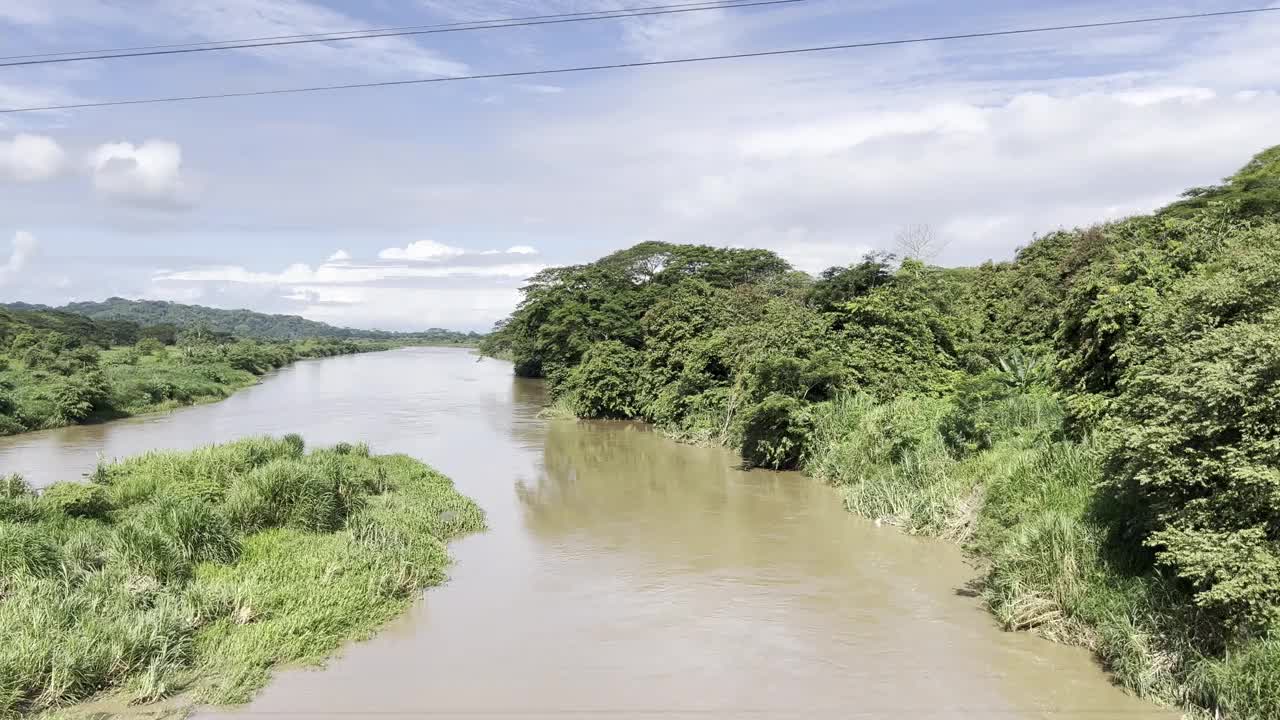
[1098,417]
[240,323]
[59,368]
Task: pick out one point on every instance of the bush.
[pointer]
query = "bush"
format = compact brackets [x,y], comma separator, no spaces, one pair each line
[75,398]
[149,346]
[775,432]
[605,384]
[1194,442]
[18,502]
[74,499]
[14,486]
[969,426]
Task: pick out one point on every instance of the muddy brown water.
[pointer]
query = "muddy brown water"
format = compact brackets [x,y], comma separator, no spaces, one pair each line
[624,575]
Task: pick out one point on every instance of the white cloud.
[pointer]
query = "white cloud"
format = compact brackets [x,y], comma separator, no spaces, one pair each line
[427,250]
[819,157]
[340,256]
[384,293]
[147,175]
[22,12]
[345,274]
[541,89]
[24,246]
[521,250]
[408,309]
[217,20]
[29,158]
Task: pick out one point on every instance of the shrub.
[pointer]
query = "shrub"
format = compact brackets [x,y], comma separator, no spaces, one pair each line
[14,486]
[149,346]
[968,426]
[76,397]
[606,382]
[775,432]
[1194,444]
[76,500]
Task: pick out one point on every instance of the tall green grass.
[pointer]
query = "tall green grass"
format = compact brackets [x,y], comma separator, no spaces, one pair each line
[199,572]
[1029,505]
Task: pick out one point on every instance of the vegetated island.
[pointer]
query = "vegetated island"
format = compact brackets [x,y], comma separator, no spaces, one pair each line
[59,367]
[1098,418]
[196,573]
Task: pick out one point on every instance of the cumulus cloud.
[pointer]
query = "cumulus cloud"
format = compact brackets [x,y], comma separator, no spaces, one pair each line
[423,250]
[521,250]
[30,158]
[422,285]
[24,246]
[334,274]
[147,175]
[339,256]
[464,308]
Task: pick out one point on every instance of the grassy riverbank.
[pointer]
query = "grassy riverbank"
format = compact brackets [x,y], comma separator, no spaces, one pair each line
[1098,418]
[53,379]
[1029,505]
[196,573]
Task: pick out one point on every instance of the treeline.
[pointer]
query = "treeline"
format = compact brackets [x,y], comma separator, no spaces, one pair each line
[239,323]
[59,369]
[1099,417]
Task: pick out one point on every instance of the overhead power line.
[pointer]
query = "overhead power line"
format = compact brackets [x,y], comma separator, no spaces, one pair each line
[213,46]
[337,34]
[639,64]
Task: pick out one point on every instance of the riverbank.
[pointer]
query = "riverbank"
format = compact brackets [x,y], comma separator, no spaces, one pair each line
[49,387]
[197,573]
[1029,507]
[1096,417]
[619,567]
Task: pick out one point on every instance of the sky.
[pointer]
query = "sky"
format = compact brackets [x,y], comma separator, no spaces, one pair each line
[428,205]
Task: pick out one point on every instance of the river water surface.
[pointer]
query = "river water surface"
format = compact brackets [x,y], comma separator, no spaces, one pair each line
[624,575]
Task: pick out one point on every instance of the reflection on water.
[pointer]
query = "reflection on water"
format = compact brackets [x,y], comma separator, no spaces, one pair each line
[623,575]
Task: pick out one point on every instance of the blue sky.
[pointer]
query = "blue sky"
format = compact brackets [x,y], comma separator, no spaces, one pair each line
[428,205]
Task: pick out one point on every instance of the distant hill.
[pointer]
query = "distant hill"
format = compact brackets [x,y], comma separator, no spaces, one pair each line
[241,323]
[17,318]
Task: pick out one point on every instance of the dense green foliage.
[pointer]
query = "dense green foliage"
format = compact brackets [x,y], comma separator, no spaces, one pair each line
[59,369]
[1255,190]
[197,572]
[1100,416]
[238,323]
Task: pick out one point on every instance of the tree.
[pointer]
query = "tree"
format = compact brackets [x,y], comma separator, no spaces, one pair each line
[1194,442]
[919,242]
[838,285]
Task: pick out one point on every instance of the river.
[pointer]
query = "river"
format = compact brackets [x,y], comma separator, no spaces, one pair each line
[624,575]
